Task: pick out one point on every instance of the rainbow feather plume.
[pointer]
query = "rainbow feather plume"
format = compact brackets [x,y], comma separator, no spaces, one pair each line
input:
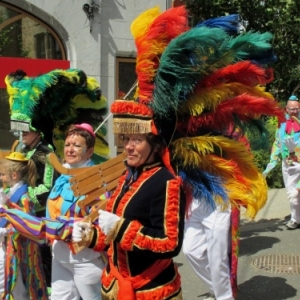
[206,88]
[153,31]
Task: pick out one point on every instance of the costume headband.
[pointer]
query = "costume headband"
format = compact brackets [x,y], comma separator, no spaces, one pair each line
[130,117]
[293,98]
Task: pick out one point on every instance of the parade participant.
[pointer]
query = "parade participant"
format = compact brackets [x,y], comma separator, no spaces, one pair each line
[37,149]
[143,225]
[67,97]
[21,274]
[185,101]
[208,228]
[149,228]
[286,146]
[34,146]
[73,275]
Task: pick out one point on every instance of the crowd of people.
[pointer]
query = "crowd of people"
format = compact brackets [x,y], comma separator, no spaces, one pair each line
[185,178]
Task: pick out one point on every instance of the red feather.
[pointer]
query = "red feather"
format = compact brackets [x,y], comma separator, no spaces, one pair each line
[244,72]
[163,29]
[245,107]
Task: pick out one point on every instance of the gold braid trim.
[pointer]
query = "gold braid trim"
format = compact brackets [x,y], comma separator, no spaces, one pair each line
[86,240]
[131,126]
[113,233]
[178,297]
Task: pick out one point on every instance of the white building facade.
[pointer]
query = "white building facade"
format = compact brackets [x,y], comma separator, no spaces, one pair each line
[93,36]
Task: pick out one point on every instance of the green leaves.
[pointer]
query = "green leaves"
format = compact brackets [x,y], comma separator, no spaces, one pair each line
[280,17]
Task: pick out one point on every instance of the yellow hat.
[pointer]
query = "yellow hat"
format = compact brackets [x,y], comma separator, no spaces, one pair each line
[16,156]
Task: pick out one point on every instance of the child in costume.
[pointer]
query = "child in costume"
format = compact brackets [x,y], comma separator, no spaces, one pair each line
[22,275]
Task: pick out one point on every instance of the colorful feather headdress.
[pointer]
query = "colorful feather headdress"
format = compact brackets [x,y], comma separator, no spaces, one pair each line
[202,89]
[51,102]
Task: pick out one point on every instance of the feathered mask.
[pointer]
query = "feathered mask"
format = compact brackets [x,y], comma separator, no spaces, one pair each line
[201,89]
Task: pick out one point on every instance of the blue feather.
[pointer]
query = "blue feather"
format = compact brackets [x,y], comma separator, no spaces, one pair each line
[230,24]
[205,186]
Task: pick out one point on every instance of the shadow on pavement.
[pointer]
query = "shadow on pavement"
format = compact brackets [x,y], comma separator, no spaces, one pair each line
[263,287]
[250,240]
[263,225]
[252,245]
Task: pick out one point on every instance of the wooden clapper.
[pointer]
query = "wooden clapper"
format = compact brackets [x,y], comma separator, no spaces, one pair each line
[93,181]
[13,149]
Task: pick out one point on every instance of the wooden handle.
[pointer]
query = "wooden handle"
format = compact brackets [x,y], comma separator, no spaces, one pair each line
[55,162]
[94,215]
[296,119]
[14,145]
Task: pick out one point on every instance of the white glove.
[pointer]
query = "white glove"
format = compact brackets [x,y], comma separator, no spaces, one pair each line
[293,169]
[107,221]
[81,230]
[290,144]
[3,197]
[3,233]
[293,196]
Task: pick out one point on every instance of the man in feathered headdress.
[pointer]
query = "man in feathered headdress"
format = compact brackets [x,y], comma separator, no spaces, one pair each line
[33,144]
[286,144]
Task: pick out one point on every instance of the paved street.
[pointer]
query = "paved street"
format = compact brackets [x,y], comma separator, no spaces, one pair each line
[262,239]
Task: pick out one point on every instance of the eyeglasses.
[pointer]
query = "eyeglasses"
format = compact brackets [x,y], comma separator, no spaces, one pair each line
[292,108]
[131,141]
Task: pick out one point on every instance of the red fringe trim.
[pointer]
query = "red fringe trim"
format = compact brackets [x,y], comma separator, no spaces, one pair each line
[162,292]
[170,241]
[100,245]
[131,108]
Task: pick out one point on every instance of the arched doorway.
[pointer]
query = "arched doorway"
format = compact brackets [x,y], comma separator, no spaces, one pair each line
[29,44]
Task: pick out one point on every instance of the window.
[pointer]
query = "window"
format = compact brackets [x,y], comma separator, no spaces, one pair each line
[126,77]
[46,46]
[23,36]
[125,81]
[7,138]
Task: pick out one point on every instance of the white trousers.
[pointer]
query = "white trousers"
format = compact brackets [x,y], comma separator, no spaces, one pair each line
[72,281]
[206,245]
[290,183]
[19,292]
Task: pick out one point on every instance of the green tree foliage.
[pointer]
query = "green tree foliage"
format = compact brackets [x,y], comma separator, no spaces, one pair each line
[262,155]
[280,17]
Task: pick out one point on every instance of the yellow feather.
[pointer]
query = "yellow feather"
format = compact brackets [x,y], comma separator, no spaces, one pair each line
[232,159]
[209,97]
[140,25]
